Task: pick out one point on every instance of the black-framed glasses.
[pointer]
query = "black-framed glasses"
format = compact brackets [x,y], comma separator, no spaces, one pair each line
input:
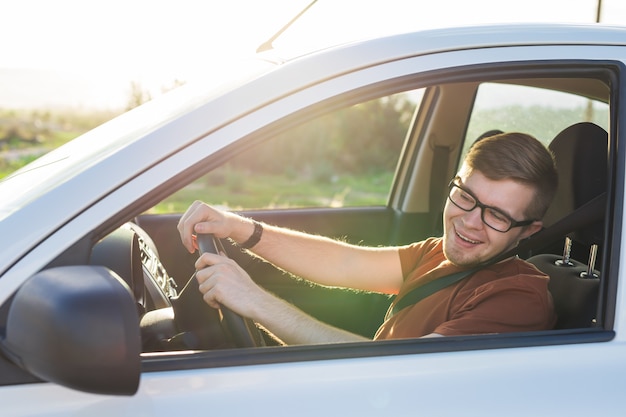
[491,216]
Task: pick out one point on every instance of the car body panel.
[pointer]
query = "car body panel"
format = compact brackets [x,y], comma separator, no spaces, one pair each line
[401,385]
[542,375]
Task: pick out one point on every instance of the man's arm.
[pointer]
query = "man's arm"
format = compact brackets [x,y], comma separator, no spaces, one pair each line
[319,259]
[223,282]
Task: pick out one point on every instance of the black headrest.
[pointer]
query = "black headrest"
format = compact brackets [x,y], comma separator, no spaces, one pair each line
[580,152]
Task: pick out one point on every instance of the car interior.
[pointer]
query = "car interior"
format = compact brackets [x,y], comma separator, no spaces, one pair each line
[572,261]
[146,251]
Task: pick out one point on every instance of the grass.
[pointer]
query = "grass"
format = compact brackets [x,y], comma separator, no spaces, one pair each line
[7,167]
[24,130]
[238,191]
[244,190]
[226,186]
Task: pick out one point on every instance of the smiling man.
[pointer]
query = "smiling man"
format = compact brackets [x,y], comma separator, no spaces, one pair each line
[498,198]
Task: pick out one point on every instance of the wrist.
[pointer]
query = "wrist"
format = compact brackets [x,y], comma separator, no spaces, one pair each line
[254,237]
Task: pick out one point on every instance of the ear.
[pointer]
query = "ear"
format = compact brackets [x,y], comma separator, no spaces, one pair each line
[531,229]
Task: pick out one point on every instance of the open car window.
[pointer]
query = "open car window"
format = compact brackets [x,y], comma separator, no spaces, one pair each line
[349,158]
[345,158]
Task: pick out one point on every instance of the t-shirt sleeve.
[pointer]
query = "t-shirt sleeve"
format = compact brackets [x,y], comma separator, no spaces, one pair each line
[413,254]
[505,305]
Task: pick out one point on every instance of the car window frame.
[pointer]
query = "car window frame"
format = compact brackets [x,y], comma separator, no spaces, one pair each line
[419,346]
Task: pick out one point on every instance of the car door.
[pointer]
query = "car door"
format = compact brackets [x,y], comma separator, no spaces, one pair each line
[486,374]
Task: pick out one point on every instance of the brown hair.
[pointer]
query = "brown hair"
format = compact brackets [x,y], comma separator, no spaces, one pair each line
[519,157]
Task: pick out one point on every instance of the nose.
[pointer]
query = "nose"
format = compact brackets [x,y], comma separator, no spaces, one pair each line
[473,218]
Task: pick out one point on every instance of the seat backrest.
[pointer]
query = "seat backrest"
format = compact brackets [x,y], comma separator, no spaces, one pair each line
[580,152]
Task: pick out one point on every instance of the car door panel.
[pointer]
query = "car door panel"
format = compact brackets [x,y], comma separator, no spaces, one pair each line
[398,385]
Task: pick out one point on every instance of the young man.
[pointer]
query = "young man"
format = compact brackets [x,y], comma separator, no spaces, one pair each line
[498,198]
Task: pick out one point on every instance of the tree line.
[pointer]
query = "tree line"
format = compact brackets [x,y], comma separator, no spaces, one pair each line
[364,138]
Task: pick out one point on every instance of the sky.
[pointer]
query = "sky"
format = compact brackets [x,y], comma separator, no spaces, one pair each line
[78,53]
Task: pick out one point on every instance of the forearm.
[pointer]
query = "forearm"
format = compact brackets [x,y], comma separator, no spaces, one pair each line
[223,282]
[294,327]
[319,259]
[323,260]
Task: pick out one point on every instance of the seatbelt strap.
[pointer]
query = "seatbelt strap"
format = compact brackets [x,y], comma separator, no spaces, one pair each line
[590,211]
[417,294]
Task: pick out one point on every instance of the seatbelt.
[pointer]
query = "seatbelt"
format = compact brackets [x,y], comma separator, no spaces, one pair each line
[418,294]
[588,212]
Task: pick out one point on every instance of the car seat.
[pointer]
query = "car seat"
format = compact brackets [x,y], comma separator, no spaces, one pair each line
[580,153]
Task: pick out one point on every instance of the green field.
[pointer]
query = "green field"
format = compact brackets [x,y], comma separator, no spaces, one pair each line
[233,188]
[279,191]
[315,164]
[32,132]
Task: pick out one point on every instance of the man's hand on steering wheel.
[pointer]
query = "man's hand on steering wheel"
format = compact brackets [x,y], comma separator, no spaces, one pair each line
[202,219]
[223,283]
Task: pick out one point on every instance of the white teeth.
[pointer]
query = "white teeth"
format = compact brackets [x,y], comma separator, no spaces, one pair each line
[475,242]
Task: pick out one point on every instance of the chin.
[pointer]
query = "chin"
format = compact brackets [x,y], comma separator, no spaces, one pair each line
[461,257]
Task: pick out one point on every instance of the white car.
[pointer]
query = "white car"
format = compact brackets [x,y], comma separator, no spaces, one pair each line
[357,142]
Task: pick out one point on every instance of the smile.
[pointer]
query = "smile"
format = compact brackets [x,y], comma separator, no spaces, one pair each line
[466,239]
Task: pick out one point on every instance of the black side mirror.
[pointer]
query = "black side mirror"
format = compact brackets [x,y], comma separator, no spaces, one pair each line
[76,326]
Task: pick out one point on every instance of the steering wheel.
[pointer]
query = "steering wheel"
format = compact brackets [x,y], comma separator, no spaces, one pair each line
[242,331]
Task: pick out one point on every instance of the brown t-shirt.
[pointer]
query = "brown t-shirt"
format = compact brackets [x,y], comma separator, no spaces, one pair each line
[511,296]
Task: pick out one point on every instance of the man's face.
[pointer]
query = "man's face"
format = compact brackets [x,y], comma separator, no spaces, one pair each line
[467,240]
